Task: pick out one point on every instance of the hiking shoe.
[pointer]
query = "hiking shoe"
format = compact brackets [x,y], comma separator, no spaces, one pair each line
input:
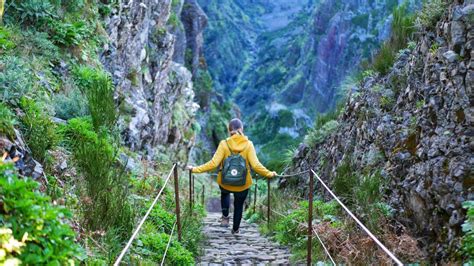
[224,221]
[235,232]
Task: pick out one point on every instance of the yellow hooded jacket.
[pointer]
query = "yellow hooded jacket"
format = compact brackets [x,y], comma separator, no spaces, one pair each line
[239,144]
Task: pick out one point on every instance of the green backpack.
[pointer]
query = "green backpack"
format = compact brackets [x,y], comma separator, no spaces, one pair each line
[234,169]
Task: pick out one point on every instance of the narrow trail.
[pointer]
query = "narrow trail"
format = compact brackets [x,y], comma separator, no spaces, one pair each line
[249,247]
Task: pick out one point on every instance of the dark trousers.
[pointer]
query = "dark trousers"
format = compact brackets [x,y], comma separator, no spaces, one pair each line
[239,199]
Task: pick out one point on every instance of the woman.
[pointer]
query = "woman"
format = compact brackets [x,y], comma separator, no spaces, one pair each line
[237,143]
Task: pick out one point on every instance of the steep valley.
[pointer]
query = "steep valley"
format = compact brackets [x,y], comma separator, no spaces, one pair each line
[290,68]
[103,104]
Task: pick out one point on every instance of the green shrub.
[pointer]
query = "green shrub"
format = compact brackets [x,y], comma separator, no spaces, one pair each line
[7,122]
[318,135]
[30,12]
[35,43]
[16,79]
[288,229]
[152,246]
[275,148]
[38,128]
[192,229]
[363,193]
[430,14]
[5,39]
[173,20]
[203,87]
[70,105]
[97,86]
[28,213]
[344,181]
[106,185]
[468,229]
[68,34]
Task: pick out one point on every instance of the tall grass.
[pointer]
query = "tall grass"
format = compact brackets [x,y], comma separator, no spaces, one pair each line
[97,86]
[105,203]
[95,146]
[402,31]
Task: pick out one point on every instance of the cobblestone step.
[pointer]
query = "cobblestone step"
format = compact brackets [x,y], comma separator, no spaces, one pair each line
[247,248]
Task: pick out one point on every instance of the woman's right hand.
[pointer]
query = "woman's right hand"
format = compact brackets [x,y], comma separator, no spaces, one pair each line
[274,174]
[189,168]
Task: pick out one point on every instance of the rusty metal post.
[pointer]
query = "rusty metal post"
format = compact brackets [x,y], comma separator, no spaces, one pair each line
[202,195]
[310,216]
[176,198]
[268,203]
[190,191]
[194,196]
[255,194]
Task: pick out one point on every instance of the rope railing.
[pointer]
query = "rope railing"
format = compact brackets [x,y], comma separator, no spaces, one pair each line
[311,231]
[168,244]
[382,246]
[135,233]
[309,226]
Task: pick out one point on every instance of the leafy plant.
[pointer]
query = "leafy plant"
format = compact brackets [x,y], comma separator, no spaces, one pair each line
[152,246]
[31,12]
[468,229]
[7,122]
[10,248]
[32,218]
[5,39]
[68,34]
[97,86]
[16,79]
[38,128]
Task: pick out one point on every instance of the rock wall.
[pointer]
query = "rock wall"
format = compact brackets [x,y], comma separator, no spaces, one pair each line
[416,126]
[155,93]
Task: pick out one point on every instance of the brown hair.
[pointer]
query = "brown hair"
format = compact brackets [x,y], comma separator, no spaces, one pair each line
[236,127]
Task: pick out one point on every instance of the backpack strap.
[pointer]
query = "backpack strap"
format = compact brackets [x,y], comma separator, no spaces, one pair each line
[228,146]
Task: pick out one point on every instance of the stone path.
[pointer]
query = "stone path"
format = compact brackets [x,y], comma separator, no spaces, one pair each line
[249,247]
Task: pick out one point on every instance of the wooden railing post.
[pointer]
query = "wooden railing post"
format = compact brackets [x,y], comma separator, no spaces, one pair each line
[176,198]
[310,216]
[268,203]
[255,194]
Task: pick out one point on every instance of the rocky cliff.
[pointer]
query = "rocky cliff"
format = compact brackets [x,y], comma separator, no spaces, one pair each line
[155,93]
[414,125]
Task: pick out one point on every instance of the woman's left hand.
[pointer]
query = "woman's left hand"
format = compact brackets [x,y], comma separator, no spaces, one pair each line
[189,167]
